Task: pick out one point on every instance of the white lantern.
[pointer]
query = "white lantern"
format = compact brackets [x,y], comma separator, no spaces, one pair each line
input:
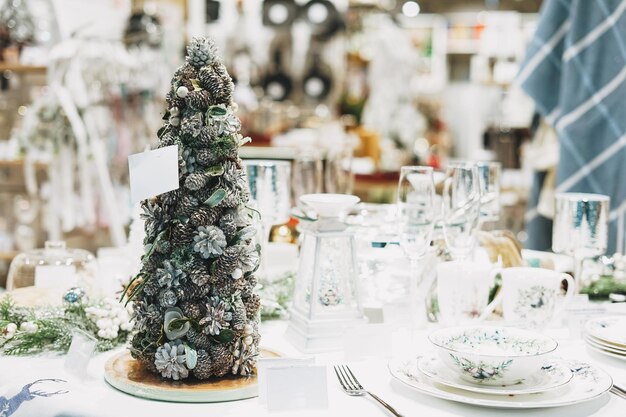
[326,298]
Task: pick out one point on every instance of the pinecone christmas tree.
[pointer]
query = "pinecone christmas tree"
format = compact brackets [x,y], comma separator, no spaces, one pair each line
[190,317]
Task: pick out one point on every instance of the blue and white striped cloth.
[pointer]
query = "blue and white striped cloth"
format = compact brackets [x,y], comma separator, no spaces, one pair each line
[575,71]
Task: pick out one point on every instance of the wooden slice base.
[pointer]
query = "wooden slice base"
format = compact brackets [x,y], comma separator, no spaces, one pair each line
[125,373]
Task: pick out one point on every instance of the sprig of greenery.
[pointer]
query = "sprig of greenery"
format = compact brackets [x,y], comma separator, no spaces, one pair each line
[55,327]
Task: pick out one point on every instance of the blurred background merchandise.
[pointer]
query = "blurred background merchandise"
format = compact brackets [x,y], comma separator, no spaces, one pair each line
[347,90]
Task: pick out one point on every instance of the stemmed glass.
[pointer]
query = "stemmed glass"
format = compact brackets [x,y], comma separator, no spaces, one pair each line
[416,211]
[461,208]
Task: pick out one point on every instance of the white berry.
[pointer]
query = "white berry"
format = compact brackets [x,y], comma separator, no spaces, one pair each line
[237,273]
[182,91]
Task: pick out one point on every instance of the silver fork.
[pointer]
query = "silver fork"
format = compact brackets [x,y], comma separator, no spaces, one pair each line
[351,386]
[620,392]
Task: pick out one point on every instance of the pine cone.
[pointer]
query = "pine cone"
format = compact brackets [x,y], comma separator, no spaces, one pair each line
[228,225]
[239,314]
[205,216]
[168,297]
[173,100]
[253,305]
[199,100]
[216,80]
[196,181]
[186,72]
[191,291]
[169,198]
[251,283]
[151,287]
[225,264]
[167,139]
[199,340]
[222,288]
[221,359]
[206,156]
[186,205]
[192,126]
[201,52]
[199,274]
[203,366]
[193,310]
[182,233]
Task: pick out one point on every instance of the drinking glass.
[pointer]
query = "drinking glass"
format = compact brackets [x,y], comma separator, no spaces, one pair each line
[461,208]
[270,192]
[416,212]
[338,175]
[489,182]
[416,196]
[307,174]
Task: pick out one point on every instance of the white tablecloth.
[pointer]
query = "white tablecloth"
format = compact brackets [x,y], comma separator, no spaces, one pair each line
[94,397]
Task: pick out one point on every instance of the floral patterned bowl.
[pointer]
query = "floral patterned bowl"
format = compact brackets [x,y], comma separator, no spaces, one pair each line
[490,355]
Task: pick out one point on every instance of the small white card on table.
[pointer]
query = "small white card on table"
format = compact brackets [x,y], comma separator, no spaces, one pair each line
[153,172]
[291,384]
[55,276]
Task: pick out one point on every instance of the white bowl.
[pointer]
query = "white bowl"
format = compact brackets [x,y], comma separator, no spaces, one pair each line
[329,205]
[491,355]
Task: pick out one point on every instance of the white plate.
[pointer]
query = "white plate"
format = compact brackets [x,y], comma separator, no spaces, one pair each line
[588,382]
[611,330]
[606,352]
[551,376]
[600,345]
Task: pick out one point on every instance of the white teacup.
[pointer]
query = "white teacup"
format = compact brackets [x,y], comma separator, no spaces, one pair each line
[462,290]
[528,295]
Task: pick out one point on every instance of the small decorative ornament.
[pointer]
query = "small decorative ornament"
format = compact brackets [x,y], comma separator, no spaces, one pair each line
[74,296]
[182,91]
[29,327]
[237,273]
[9,331]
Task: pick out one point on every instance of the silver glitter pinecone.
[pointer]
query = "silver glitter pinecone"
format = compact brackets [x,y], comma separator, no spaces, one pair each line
[201,52]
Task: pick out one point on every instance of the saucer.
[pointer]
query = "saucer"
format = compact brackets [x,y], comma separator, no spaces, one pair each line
[589,382]
[551,376]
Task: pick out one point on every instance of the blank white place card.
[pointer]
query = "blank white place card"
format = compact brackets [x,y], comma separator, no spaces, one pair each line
[153,172]
[292,384]
[55,276]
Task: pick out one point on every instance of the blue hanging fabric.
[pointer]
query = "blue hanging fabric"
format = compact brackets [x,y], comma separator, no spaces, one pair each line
[575,71]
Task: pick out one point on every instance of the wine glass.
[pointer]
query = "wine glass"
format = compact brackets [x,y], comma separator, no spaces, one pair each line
[461,208]
[416,212]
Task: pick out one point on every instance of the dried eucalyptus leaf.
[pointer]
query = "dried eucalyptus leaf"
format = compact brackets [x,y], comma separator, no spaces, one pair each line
[216,198]
[215,170]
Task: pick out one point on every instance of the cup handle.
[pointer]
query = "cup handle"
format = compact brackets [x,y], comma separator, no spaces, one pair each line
[496,300]
[571,290]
